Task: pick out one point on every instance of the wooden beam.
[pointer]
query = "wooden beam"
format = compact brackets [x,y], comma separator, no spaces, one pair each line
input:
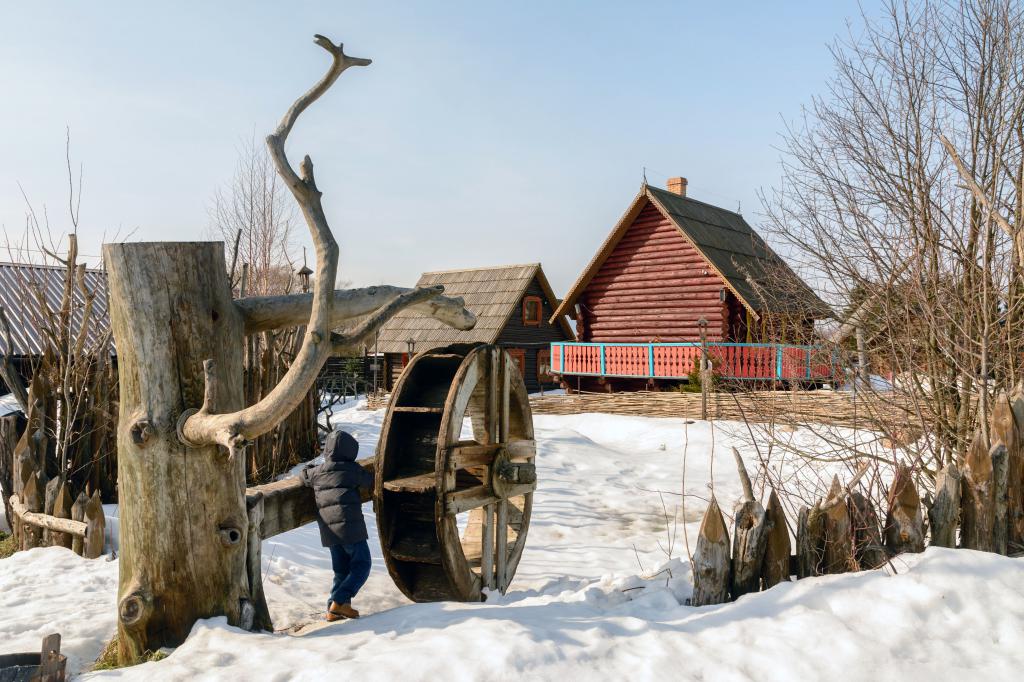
[40,520]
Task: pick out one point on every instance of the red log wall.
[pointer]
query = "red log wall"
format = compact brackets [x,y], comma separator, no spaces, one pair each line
[654,286]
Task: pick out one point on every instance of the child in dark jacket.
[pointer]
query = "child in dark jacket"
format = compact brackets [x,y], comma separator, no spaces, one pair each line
[336,485]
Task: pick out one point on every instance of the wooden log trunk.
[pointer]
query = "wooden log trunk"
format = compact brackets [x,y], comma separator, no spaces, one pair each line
[1000,519]
[183,521]
[904,523]
[775,567]
[711,559]
[944,514]
[868,550]
[95,527]
[31,536]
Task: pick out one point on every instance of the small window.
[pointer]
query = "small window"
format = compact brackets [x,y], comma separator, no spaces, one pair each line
[531,311]
[544,367]
[518,356]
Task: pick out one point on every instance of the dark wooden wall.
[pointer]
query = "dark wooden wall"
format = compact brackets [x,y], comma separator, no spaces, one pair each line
[532,338]
[654,286]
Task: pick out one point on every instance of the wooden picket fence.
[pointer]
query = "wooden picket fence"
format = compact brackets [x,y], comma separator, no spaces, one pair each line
[977,503]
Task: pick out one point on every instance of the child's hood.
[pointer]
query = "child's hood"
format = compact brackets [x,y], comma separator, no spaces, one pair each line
[340,447]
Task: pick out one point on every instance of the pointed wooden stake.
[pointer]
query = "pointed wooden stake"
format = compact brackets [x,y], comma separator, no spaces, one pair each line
[775,567]
[904,524]
[750,533]
[838,555]
[711,559]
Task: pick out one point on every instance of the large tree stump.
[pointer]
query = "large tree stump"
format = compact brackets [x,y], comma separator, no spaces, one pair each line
[183,518]
[711,559]
[750,532]
[977,498]
[775,566]
[944,513]
[904,523]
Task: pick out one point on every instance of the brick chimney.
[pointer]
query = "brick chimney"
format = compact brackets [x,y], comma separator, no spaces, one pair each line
[677,186]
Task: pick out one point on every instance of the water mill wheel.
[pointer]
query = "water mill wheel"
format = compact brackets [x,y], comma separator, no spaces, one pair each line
[455,474]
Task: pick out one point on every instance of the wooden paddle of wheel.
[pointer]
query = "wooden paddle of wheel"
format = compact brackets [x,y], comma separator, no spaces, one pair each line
[431,483]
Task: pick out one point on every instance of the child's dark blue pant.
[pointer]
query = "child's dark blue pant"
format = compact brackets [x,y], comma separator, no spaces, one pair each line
[351,564]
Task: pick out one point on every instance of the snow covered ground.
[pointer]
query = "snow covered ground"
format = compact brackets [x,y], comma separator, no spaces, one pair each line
[600,592]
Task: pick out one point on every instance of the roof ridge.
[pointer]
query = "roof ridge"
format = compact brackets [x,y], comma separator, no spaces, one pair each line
[695,201]
[486,267]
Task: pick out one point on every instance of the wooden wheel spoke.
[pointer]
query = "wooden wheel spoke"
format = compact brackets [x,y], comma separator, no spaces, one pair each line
[487,548]
[501,545]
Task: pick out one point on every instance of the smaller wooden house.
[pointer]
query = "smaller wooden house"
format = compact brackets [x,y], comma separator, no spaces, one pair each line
[514,306]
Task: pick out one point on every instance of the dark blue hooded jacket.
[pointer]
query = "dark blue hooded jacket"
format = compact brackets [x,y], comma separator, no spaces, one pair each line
[335,485]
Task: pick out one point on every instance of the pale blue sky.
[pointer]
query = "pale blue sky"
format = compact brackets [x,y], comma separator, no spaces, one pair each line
[484,133]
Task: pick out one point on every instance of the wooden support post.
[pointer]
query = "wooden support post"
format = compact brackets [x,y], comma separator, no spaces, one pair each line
[32,535]
[711,559]
[254,563]
[944,514]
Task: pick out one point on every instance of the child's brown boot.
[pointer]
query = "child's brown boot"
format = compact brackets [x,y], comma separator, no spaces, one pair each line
[339,611]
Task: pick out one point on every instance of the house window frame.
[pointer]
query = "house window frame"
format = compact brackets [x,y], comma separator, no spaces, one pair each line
[544,359]
[527,322]
[518,356]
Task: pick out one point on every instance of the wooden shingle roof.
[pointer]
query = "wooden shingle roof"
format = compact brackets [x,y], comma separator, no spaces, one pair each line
[492,294]
[759,278]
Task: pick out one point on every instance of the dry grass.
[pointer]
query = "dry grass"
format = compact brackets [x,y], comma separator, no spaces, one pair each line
[7,545]
[107,660]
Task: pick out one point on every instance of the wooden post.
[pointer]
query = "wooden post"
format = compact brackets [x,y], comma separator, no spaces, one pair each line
[95,527]
[62,510]
[904,524]
[810,541]
[944,514]
[868,549]
[978,510]
[1000,521]
[31,536]
[78,514]
[254,563]
[775,567]
[711,559]
[838,550]
[750,533]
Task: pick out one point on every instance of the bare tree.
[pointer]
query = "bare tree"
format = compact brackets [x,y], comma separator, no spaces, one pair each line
[873,211]
[254,211]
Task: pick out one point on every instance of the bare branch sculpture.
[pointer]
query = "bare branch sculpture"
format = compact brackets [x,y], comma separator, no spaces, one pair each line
[189,543]
[234,429]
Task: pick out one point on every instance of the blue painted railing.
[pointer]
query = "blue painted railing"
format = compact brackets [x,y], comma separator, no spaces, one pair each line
[733,361]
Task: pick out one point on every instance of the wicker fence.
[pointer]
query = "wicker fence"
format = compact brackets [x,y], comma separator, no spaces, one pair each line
[823,407]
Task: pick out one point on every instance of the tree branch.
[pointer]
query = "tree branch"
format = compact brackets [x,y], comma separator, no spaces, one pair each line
[343,341]
[263,313]
[976,189]
[235,429]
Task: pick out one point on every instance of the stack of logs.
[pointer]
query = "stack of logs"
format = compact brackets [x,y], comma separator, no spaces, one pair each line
[982,497]
[45,516]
